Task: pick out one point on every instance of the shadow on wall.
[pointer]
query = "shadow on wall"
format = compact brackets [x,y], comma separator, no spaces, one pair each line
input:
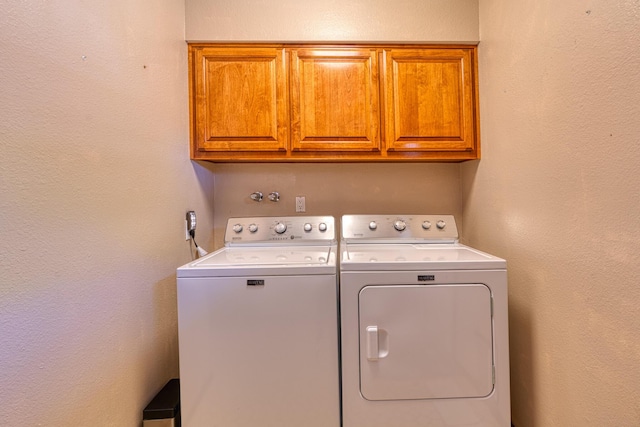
[521,339]
[523,371]
[205,175]
[202,201]
[166,324]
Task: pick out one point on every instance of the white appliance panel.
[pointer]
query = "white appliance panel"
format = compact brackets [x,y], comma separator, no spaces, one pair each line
[239,256]
[264,355]
[425,342]
[399,228]
[385,257]
[273,231]
[412,295]
[278,260]
[490,411]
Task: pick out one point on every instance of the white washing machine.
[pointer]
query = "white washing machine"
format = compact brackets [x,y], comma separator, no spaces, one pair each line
[424,326]
[258,327]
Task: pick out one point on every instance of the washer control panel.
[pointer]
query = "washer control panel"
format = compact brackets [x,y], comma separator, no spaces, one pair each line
[401,228]
[285,230]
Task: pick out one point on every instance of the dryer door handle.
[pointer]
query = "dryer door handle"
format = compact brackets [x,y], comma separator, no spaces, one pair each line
[372,343]
[377,343]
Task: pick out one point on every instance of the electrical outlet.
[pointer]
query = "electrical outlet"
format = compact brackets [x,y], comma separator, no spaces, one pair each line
[301,205]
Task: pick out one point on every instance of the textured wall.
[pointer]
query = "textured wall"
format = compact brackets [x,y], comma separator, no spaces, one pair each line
[94,183]
[335,20]
[556,194]
[335,189]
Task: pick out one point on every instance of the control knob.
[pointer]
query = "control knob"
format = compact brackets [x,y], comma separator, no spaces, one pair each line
[322,226]
[373,225]
[253,228]
[426,225]
[280,228]
[441,224]
[399,225]
[307,227]
[237,228]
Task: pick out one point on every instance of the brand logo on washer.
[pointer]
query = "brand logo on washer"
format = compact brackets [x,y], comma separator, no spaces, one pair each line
[426,278]
[255,282]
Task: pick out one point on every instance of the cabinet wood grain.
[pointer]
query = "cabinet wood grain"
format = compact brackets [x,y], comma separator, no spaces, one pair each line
[430,100]
[239,100]
[333,102]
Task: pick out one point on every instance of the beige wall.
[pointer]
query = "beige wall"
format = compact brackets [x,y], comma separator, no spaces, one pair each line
[94,183]
[345,20]
[557,195]
[335,189]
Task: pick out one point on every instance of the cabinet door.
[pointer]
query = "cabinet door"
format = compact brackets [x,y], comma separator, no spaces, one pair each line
[334,100]
[430,101]
[238,99]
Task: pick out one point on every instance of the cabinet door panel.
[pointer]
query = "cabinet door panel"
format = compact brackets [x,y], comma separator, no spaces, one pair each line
[430,96]
[334,100]
[240,99]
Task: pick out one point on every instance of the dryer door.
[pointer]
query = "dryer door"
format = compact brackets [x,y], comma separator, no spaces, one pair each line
[425,342]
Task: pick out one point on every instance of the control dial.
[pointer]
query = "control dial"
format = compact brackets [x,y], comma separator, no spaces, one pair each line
[399,225]
[307,227]
[253,228]
[237,228]
[426,225]
[373,225]
[441,224]
[280,227]
[322,226]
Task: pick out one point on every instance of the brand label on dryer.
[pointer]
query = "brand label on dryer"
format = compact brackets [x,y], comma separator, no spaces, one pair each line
[254,282]
[426,278]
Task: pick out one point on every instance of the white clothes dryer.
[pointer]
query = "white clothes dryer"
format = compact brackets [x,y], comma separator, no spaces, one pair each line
[424,326]
[258,327]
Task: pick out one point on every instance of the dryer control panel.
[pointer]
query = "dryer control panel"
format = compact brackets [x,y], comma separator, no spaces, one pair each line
[290,230]
[399,228]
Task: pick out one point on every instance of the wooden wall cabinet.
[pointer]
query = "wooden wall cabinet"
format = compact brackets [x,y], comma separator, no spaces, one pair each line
[334,100]
[238,101]
[312,103]
[430,102]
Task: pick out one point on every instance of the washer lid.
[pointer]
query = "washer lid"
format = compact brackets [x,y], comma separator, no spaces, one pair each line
[280,260]
[383,257]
